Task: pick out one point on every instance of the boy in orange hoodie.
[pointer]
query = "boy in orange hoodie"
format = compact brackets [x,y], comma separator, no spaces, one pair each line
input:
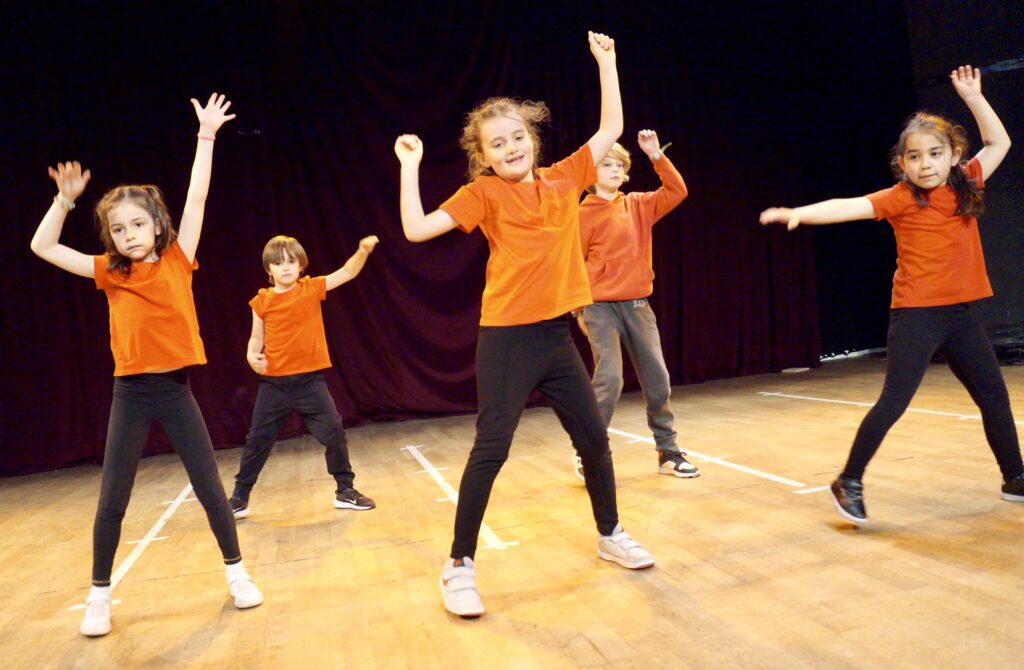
[615,231]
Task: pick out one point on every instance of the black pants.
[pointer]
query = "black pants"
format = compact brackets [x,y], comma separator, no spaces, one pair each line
[915,334]
[137,401]
[512,361]
[276,398]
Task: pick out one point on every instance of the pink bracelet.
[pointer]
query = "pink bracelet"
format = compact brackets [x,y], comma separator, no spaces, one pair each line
[204,137]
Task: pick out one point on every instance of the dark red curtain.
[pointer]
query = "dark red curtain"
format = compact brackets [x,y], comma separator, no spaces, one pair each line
[321,90]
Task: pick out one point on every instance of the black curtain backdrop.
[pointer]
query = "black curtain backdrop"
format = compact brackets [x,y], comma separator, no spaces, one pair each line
[753,101]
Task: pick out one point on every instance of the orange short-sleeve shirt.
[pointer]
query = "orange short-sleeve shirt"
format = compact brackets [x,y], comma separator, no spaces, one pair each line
[535,270]
[294,340]
[153,322]
[940,259]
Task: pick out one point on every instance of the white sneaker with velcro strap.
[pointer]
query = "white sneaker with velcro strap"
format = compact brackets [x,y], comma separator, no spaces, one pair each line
[621,548]
[458,589]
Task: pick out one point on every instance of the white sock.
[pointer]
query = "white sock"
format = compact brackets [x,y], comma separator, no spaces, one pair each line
[236,571]
[615,531]
[97,592]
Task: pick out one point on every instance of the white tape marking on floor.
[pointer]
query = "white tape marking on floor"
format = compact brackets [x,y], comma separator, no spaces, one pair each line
[491,539]
[954,415]
[149,537]
[155,539]
[81,606]
[717,460]
[813,489]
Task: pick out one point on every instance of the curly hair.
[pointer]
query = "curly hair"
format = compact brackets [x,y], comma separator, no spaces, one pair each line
[149,198]
[533,114]
[969,200]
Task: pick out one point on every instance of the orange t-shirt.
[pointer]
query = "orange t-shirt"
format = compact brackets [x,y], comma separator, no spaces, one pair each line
[616,236]
[153,323]
[940,260]
[535,270]
[293,327]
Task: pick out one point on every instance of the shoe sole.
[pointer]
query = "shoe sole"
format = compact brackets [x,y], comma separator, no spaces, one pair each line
[846,515]
[94,633]
[628,565]
[241,514]
[346,505]
[1013,497]
[683,475]
[471,614]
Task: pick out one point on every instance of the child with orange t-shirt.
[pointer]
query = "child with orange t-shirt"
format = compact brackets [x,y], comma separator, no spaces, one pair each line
[288,350]
[940,270]
[615,232]
[535,276]
[146,274]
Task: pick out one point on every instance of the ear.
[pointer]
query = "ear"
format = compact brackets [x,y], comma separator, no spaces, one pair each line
[902,163]
[957,155]
[157,226]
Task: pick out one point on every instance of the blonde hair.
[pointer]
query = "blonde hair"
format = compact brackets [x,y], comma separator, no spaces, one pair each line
[618,153]
[281,248]
[149,198]
[532,114]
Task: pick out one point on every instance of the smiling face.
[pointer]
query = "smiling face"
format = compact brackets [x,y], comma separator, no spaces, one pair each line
[133,231]
[507,147]
[927,159]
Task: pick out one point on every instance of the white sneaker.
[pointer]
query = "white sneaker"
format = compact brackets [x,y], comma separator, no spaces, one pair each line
[577,468]
[624,550]
[97,617]
[245,593]
[458,589]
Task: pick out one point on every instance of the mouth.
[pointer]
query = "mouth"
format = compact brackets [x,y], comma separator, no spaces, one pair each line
[514,161]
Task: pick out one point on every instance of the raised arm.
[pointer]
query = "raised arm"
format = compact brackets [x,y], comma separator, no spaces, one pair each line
[71,181]
[211,118]
[254,352]
[418,227]
[603,48]
[673,188]
[967,82]
[354,265]
[836,210]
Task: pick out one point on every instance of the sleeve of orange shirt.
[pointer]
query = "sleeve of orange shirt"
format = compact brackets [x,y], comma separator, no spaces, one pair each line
[657,204]
[578,166]
[467,206]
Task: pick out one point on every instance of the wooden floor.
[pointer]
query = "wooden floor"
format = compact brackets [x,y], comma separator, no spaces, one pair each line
[754,567]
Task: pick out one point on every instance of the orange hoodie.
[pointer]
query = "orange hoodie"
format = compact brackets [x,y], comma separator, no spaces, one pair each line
[616,236]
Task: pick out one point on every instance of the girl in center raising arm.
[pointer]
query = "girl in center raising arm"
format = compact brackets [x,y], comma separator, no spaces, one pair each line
[535,276]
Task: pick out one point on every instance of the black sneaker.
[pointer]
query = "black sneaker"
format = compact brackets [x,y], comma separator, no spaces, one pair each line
[675,463]
[848,495]
[1013,490]
[239,507]
[352,499]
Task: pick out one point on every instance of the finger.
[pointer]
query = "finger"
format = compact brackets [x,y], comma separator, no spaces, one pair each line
[213,98]
[196,105]
[86,176]
[229,117]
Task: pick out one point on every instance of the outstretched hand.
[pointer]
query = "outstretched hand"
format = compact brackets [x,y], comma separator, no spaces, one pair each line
[214,114]
[367,244]
[409,149]
[602,46]
[966,80]
[781,215]
[648,142]
[70,178]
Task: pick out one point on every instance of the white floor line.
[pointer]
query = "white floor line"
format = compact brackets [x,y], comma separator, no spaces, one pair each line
[813,489]
[491,539]
[149,537]
[81,606]
[719,460]
[954,415]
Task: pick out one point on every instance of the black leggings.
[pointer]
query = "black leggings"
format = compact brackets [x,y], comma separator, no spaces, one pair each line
[137,401]
[512,361]
[915,334]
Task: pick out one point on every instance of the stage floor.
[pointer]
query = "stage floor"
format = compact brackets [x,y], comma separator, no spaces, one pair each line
[754,567]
